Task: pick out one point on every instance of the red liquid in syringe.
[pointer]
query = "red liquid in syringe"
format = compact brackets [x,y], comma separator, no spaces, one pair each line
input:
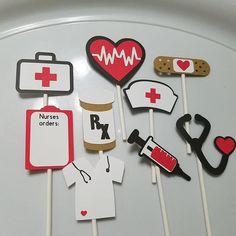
[163,158]
[159,155]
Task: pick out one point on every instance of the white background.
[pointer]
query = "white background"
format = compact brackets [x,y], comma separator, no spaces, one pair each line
[203,29]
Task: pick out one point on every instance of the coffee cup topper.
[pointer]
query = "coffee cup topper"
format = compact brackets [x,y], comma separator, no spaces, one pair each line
[98,119]
[175,65]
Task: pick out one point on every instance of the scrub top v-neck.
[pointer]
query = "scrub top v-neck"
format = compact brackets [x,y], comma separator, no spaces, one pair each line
[94,196]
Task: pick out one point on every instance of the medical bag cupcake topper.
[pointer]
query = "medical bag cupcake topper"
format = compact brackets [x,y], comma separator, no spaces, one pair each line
[49,130]
[118,62]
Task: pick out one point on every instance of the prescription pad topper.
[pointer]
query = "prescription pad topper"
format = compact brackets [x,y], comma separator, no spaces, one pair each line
[44,74]
[49,138]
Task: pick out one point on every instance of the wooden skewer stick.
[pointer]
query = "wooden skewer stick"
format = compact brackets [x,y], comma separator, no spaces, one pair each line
[121,113]
[204,198]
[49,188]
[185,107]
[157,176]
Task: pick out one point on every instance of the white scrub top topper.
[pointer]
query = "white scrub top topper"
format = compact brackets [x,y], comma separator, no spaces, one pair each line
[94,196]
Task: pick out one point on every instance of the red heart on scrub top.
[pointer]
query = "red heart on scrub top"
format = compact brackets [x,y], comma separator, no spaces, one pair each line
[83,213]
[225,145]
[119,61]
[183,65]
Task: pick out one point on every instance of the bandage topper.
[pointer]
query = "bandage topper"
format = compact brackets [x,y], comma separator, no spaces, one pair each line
[175,65]
[151,94]
[225,145]
[98,119]
[49,138]
[44,74]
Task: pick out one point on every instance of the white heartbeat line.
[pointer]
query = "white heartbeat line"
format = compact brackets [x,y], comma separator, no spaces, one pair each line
[110,57]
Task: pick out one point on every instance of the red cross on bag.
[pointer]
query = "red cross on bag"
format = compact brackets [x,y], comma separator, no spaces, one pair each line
[44,74]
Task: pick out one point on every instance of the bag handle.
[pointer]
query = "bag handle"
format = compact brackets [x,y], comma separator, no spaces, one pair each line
[48,54]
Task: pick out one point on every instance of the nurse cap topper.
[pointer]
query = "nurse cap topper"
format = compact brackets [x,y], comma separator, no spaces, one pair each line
[98,119]
[151,94]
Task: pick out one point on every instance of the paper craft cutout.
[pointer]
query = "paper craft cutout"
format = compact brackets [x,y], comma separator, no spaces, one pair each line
[225,145]
[188,66]
[44,74]
[98,119]
[94,197]
[119,61]
[157,154]
[49,138]
[151,94]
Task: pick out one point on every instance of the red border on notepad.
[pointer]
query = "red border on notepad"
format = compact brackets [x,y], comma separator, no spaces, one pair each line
[54,109]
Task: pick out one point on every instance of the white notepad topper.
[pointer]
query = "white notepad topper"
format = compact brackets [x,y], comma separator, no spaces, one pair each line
[49,138]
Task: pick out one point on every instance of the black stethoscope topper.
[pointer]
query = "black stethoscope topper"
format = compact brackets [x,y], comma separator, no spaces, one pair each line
[225,145]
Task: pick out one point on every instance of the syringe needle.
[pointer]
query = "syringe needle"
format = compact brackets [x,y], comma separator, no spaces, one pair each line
[181,173]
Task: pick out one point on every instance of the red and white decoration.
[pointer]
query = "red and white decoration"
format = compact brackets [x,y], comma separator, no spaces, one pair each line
[49,138]
[44,74]
[151,94]
[119,61]
[183,65]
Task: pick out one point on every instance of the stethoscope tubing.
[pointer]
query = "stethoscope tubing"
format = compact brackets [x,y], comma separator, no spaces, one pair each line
[84,173]
[197,143]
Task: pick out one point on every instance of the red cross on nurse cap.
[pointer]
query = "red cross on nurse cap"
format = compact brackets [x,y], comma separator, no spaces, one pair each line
[44,74]
[151,94]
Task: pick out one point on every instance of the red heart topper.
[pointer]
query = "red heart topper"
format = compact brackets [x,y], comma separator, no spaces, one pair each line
[183,65]
[83,213]
[116,61]
[225,145]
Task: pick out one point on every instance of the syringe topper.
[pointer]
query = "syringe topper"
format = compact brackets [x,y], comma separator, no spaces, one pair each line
[157,154]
